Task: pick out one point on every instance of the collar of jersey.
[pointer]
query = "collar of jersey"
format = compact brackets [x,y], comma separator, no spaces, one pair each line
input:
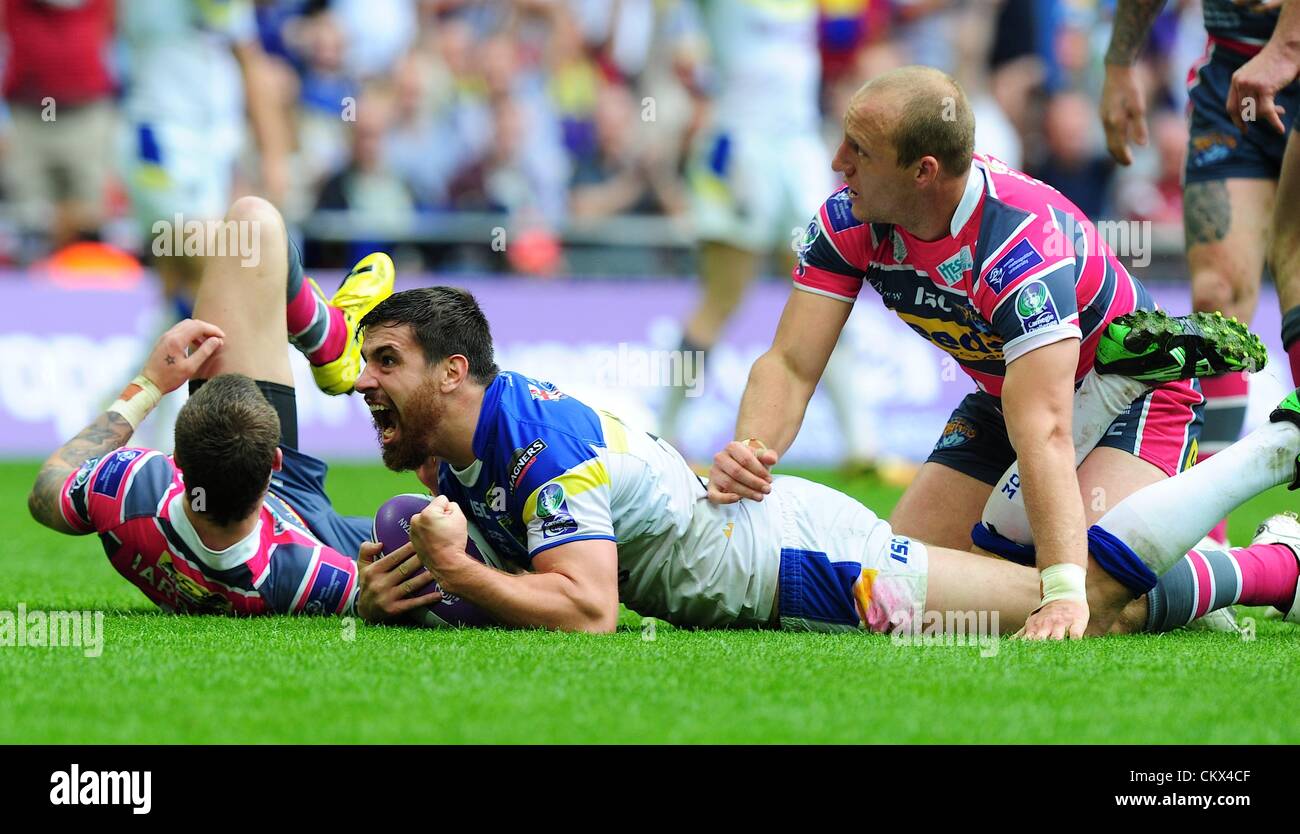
[469,475]
[232,557]
[486,419]
[970,199]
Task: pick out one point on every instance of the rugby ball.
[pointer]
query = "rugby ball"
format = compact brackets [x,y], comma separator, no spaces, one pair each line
[392,529]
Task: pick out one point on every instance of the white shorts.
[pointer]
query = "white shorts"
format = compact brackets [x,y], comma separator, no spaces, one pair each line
[174,169]
[757,192]
[842,567]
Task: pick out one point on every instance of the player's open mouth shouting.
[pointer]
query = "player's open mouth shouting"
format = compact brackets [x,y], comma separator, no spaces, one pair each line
[387,420]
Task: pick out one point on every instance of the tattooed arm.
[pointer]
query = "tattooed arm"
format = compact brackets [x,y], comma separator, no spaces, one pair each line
[110,431]
[178,355]
[1132,25]
[1123,105]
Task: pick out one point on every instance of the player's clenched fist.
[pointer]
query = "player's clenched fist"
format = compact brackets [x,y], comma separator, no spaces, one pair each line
[181,352]
[743,469]
[389,586]
[438,532]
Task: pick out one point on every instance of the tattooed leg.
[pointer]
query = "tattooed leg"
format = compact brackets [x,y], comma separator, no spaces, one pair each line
[1226,222]
[1226,225]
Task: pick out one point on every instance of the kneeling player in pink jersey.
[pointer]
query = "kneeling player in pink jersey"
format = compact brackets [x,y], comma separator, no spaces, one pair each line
[1017,286]
[237,520]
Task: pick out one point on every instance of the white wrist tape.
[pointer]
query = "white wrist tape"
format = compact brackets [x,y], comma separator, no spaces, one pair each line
[135,405]
[1064,581]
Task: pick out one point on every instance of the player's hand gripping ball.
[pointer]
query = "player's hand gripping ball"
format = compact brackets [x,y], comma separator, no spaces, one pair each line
[392,529]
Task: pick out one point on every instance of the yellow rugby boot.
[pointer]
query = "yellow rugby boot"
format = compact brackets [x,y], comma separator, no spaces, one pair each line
[369,282]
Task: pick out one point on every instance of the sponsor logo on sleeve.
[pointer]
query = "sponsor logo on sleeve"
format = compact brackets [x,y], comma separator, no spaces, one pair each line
[109,480]
[327,590]
[559,525]
[544,391]
[801,249]
[1035,307]
[839,211]
[524,459]
[550,500]
[810,236]
[83,475]
[1017,260]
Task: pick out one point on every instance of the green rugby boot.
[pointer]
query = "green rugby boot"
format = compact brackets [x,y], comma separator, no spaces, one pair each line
[1153,346]
[1288,411]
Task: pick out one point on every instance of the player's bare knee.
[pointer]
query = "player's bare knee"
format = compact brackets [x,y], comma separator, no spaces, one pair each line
[263,219]
[1211,291]
[252,209]
[263,239]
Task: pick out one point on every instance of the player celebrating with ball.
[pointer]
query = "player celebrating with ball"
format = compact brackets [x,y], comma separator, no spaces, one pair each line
[593,512]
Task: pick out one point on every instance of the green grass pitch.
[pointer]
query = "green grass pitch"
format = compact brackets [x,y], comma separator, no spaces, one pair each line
[164,679]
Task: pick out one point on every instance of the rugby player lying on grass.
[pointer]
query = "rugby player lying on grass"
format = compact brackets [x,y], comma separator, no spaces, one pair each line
[237,521]
[599,512]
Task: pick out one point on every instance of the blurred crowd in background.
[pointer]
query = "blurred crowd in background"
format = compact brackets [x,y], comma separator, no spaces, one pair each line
[555,115]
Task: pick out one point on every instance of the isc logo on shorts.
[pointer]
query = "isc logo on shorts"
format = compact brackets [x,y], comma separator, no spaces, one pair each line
[898,547]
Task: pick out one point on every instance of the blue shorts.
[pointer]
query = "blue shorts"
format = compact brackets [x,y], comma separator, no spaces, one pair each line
[1161,428]
[301,484]
[1216,150]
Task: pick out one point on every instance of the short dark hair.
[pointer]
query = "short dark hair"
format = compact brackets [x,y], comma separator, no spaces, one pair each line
[226,436]
[447,321]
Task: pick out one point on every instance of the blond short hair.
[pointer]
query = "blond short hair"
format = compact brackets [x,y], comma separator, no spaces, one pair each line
[930,116]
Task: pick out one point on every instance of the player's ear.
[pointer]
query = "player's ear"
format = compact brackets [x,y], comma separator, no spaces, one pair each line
[278,462]
[927,171]
[455,372]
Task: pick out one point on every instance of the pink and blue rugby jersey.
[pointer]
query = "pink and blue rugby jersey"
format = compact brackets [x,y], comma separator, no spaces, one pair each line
[1021,268]
[133,498]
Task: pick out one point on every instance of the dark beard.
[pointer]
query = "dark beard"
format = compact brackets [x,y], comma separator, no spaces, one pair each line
[420,417]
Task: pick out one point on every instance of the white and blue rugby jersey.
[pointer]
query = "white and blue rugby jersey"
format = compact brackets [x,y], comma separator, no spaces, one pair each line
[550,470]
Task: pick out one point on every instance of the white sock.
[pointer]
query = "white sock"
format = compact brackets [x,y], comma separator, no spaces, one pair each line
[1099,400]
[1164,520]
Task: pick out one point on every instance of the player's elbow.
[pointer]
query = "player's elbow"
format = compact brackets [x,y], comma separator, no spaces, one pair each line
[34,507]
[599,625]
[590,609]
[594,616]
[1044,434]
[1038,421]
[39,508]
